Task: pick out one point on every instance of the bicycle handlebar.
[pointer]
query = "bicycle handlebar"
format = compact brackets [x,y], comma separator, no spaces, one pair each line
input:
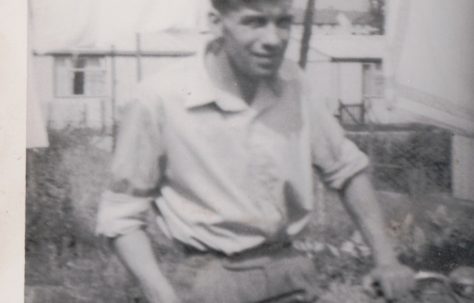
[459,282]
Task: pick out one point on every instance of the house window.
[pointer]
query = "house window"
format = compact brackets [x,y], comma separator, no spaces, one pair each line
[82,76]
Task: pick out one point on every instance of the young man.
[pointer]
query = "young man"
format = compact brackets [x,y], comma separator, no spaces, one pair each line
[224,145]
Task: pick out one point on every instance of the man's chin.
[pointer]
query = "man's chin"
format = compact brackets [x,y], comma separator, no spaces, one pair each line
[265,72]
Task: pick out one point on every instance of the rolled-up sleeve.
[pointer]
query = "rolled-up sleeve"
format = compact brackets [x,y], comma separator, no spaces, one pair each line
[136,167]
[336,158]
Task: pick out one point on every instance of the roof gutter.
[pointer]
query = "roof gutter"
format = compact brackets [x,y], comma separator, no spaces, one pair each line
[117,53]
[357,59]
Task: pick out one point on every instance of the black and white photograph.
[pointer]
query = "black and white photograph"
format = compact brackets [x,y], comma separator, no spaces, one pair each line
[249,151]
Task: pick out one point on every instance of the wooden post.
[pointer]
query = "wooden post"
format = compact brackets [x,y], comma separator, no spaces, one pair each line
[307,31]
[321,202]
[339,85]
[371,149]
[102,116]
[49,123]
[363,112]
[139,57]
[113,98]
[83,123]
[364,95]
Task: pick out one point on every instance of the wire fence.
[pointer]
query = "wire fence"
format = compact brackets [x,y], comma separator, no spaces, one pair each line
[414,160]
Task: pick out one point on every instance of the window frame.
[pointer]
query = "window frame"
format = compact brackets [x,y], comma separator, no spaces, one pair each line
[70,70]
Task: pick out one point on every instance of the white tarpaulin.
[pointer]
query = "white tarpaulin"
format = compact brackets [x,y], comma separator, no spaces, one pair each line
[36,134]
[59,24]
[432,60]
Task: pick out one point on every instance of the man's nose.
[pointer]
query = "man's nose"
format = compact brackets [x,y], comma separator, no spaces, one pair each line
[271,37]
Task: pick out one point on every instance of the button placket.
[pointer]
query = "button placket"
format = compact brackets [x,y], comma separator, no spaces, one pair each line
[264,178]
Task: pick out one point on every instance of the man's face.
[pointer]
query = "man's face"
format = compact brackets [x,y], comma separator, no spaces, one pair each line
[256,35]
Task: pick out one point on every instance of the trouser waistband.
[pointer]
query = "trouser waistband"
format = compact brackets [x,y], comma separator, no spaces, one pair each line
[258,251]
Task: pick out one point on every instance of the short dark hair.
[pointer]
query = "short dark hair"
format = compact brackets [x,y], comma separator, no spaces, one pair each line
[224,6]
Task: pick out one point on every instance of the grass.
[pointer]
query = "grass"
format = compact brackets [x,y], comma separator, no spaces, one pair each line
[64,183]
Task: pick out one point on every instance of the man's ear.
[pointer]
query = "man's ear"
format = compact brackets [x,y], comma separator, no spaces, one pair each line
[214,19]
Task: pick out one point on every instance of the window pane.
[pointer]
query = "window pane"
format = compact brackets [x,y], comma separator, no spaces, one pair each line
[80,76]
[78,83]
[95,83]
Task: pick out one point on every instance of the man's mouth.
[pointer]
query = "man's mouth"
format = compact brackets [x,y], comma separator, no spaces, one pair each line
[266,58]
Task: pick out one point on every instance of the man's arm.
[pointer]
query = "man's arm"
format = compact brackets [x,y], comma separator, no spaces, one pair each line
[136,253]
[136,173]
[359,199]
[341,166]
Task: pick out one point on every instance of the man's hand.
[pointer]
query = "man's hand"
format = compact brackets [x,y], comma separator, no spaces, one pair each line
[394,280]
[359,197]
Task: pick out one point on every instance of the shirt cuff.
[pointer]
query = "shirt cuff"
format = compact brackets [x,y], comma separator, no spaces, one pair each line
[351,162]
[120,214]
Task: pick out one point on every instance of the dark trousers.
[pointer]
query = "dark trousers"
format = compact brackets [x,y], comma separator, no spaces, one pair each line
[261,276]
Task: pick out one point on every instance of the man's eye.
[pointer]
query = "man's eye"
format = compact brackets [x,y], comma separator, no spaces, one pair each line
[255,22]
[284,22]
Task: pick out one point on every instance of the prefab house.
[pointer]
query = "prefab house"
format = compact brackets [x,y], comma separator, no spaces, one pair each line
[346,72]
[86,87]
[81,86]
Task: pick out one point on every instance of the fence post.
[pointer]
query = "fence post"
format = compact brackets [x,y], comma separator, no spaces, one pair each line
[113,97]
[84,116]
[321,202]
[49,115]
[370,149]
[139,57]
[102,116]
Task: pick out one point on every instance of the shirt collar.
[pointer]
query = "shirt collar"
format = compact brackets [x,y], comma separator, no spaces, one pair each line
[202,91]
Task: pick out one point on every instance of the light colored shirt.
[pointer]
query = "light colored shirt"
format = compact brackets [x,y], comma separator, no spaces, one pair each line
[223,175]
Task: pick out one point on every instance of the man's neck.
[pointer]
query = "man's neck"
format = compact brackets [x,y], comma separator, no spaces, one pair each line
[228,78]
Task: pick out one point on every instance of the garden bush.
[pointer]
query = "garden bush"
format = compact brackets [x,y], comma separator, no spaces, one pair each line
[408,161]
